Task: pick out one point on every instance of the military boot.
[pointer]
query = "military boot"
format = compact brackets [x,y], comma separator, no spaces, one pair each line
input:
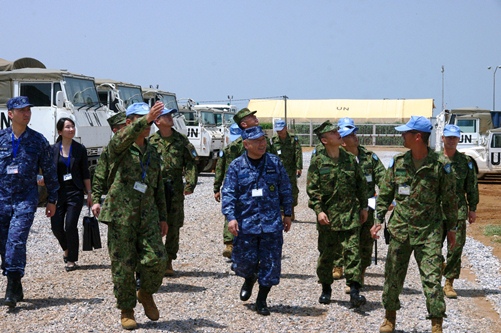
[150,308]
[325,297]
[169,271]
[356,300]
[436,325]
[228,249]
[127,319]
[388,325]
[449,289]
[246,291]
[14,290]
[337,273]
[261,306]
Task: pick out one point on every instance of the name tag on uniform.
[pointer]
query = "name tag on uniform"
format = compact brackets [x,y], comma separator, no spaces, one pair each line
[67,177]
[257,192]
[279,152]
[141,187]
[368,178]
[12,169]
[404,189]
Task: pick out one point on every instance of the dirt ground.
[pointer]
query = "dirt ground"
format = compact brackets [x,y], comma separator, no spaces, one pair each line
[487,214]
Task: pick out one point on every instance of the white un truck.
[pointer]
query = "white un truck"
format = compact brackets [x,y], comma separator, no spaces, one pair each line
[55,94]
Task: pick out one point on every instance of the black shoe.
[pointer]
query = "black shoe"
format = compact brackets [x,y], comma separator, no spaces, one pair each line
[246,291]
[71,268]
[325,297]
[14,291]
[262,308]
[356,300]
[65,259]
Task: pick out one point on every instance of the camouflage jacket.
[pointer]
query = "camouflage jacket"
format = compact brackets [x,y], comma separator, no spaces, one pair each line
[33,153]
[178,158]
[101,180]
[339,189]
[257,214]
[419,195]
[466,184]
[227,155]
[124,203]
[290,152]
[372,168]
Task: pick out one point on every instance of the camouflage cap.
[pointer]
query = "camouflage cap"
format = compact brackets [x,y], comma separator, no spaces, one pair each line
[237,118]
[117,119]
[18,102]
[326,126]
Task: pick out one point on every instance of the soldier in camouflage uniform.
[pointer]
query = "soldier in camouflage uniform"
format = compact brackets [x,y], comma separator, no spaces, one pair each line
[101,180]
[178,159]
[244,118]
[23,152]
[135,212]
[289,150]
[422,184]
[255,187]
[374,171]
[338,194]
[467,193]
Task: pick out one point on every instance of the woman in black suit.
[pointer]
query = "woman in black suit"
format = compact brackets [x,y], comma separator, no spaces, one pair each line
[73,174]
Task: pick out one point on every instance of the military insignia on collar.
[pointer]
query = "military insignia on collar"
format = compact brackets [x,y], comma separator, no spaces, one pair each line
[470,165]
[447,168]
[272,188]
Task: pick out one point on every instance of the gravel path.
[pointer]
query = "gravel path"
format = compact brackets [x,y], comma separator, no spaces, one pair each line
[203,297]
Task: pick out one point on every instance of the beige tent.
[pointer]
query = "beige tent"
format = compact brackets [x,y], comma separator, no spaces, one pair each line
[361,110]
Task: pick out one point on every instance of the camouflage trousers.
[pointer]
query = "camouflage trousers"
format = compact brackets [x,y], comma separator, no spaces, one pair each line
[132,248]
[429,260]
[366,245]
[227,235]
[175,220]
[453,262]
[258,254]
[346,242]
[14,230]
[295,189]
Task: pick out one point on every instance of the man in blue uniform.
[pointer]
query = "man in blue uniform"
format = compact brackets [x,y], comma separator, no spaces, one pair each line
[23,152]
[255,187]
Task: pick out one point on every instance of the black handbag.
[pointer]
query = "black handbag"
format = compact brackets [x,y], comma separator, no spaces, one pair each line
[91,236]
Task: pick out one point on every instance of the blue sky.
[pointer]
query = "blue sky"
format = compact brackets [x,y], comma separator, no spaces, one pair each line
[207,50]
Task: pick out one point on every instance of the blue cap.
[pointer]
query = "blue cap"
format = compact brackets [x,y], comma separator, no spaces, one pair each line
[279,125]
[252,133]
[141,109]
[167,111]
[18,102]
[346,126]
[452,130]
[416,123]
[235,132]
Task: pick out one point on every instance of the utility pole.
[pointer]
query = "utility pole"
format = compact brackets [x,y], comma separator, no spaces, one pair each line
[285,103]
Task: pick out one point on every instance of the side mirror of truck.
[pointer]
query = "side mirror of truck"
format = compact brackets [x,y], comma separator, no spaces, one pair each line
[60,99]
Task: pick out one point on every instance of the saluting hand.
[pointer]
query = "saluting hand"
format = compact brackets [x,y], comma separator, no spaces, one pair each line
[155,111]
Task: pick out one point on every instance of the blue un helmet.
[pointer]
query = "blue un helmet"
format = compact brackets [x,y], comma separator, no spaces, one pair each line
[346,126]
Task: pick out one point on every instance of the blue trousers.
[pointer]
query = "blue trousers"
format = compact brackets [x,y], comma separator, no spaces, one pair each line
[258,254]
[14,230]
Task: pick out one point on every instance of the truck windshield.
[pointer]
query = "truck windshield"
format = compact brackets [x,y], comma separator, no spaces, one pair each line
[130,95]
[169,101]
[219,118]
[190,118]
[208,118]
[228,118]
[81,91]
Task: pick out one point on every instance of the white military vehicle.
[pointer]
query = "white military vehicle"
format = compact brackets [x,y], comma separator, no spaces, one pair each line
[487,154]
[203,133]
[151,95]
[480,136]
[55,94]
[224,118]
